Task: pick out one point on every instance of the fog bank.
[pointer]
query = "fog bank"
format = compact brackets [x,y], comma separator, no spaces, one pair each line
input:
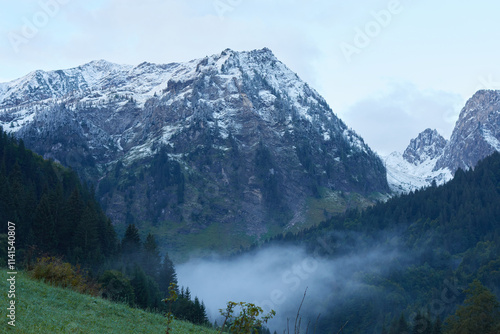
[276,278]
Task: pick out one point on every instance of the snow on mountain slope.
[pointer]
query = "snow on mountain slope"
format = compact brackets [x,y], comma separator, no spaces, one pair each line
[414,169]
[239,122]
[104,84]
[430,158]
[404,176]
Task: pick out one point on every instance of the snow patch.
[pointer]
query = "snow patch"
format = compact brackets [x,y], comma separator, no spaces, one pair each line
[404,176]
[491,139]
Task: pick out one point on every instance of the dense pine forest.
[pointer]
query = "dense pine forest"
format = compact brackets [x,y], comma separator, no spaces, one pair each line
[59,221]
[447,236]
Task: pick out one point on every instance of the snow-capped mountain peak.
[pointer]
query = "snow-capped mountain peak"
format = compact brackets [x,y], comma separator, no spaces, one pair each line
[428,145]
[414,169]
[209,115]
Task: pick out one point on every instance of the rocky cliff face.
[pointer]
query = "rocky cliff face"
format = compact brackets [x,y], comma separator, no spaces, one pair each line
[234,141]
[476,134]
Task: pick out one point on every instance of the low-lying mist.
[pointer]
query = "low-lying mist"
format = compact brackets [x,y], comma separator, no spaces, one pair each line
[276,278]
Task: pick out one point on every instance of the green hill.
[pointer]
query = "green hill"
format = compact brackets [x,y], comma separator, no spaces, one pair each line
[41,308]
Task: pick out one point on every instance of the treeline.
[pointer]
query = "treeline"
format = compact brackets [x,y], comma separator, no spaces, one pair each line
[55,215]
[450,235]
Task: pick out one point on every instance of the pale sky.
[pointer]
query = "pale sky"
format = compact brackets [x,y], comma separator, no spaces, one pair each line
[388,68]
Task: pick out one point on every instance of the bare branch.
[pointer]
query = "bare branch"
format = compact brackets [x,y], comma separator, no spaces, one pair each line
[342,328]
[298,312]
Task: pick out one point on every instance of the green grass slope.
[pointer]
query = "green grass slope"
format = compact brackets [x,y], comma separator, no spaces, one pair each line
[41,308]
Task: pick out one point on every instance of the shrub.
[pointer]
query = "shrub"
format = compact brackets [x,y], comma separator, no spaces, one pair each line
[247,321]
[54,271]
[116,287]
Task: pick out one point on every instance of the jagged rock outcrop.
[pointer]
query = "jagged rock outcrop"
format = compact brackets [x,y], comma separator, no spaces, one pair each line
[428,145]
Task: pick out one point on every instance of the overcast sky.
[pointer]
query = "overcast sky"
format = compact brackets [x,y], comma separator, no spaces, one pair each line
[388,68]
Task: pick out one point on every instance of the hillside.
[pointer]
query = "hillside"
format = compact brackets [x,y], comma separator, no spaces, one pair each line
[435,241]
[41,308]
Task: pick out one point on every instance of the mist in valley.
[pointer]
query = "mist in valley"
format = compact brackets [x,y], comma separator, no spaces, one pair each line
[276,277]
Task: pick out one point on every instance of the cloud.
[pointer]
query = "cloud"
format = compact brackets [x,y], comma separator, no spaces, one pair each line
[390,119]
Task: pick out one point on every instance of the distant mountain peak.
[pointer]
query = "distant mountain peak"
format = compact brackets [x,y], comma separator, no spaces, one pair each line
[414,169]
[429,144]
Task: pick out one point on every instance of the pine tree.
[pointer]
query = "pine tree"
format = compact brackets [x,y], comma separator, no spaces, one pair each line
[139,282]
[168,275]
[422,324]
[203,313]
[152,261]
[478,314]
[86,237]
[187,293]
[44,226]
[131,245]
[400,326]
[72,213]
[437,327]
[197,313]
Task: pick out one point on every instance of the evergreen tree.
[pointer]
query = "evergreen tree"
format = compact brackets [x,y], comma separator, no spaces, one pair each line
[86,237]
[168,275]
[151,261]
[400,326]
[139,282]
[72,213]
[44,226]
[197,312]
[422,324]
[131,245]
[154,294]
[437,329]
[187,293]
[478,314]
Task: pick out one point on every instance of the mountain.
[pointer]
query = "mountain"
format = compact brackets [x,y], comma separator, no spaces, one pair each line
[429,157]
[234,144]
[476,133]
[414,169]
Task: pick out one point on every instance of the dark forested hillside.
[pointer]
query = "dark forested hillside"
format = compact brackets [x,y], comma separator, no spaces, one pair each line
[50,208]
[444,238]
[56,216]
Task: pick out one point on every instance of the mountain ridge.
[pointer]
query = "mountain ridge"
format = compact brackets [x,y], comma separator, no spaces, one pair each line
[431,158]
[228,137]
